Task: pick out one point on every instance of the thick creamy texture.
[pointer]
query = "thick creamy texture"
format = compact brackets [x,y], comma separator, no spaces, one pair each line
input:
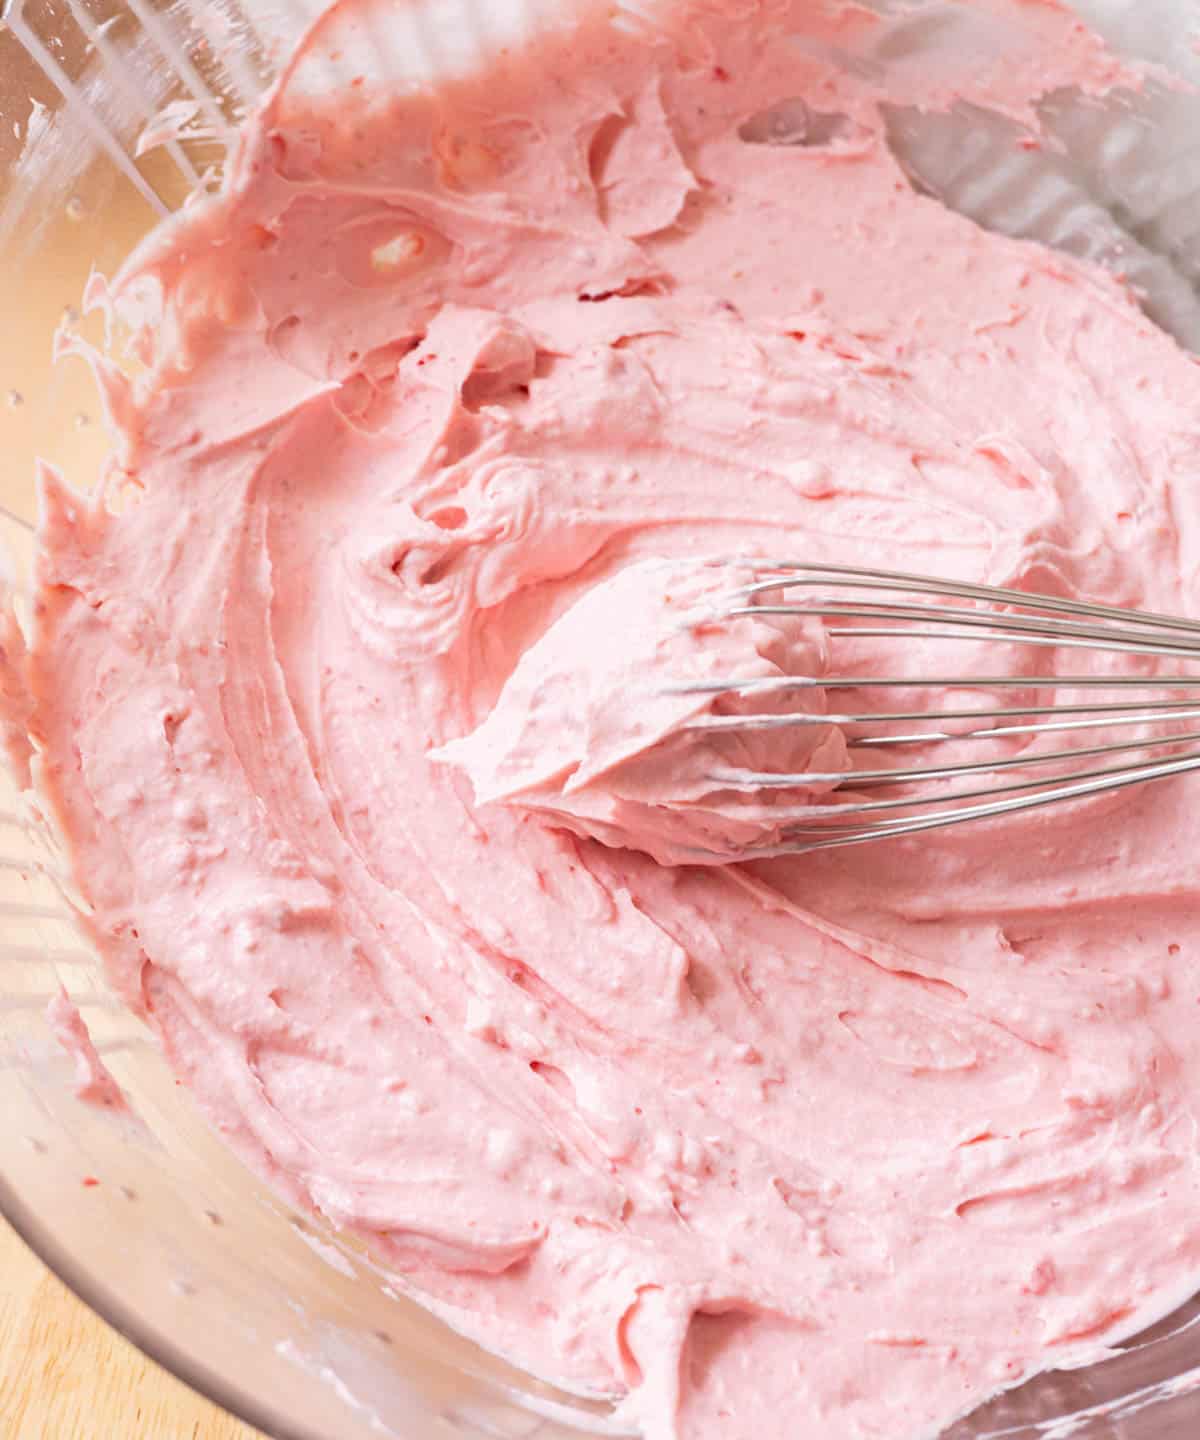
[597,730]
[93,1082]
[831,1146]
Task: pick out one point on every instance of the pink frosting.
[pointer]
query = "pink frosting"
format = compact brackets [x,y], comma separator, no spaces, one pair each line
[93,1080]
[597,730]
[832,1146]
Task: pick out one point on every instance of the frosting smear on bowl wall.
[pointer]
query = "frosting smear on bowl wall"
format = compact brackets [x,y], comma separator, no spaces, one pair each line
[437,404]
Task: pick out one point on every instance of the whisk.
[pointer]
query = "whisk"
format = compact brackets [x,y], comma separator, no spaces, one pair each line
[879,803]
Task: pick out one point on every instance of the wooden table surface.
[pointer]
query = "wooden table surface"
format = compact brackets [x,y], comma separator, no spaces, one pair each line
[65,1375]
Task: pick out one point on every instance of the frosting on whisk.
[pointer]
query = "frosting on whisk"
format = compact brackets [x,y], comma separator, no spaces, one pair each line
[595,729]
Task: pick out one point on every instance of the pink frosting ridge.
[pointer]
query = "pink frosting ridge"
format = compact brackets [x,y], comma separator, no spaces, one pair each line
[436,404]
[601,728]
[93,1081]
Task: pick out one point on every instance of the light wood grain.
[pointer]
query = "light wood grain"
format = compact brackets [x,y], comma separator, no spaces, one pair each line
[65,1375]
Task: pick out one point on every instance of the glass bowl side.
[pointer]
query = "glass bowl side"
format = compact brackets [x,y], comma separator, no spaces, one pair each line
[143,1212]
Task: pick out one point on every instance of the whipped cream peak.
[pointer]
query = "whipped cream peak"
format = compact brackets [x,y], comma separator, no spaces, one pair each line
[601,727]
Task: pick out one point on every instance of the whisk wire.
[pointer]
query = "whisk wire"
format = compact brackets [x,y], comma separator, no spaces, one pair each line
[926,797]
[793,573]
[760,780]
[796,843]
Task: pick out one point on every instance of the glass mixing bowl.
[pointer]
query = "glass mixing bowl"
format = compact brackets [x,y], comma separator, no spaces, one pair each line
[144,1214]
